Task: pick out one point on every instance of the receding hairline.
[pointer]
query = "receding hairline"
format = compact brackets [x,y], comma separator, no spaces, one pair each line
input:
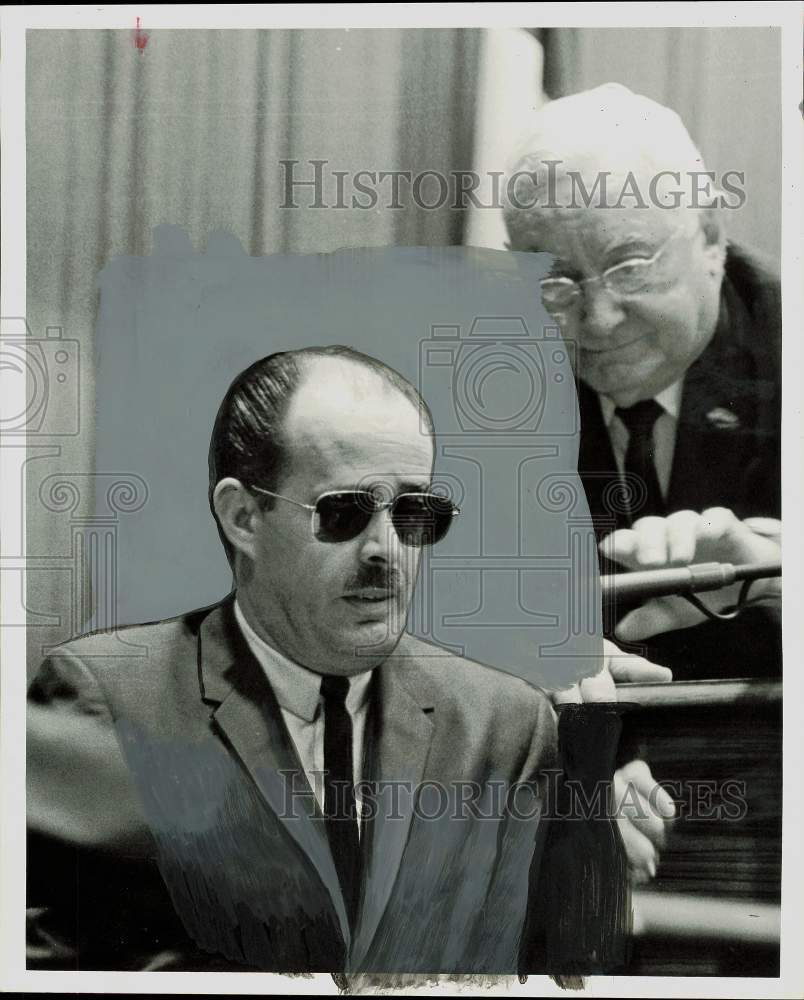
[366,381]
[353,367]
[359,371]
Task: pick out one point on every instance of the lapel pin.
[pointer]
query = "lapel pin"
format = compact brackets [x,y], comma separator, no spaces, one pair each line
[723,419]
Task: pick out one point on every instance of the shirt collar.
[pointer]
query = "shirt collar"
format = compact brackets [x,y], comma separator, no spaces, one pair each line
[297,689]
[669,399]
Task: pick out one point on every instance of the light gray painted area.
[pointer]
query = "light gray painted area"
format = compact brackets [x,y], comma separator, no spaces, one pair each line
[514,584]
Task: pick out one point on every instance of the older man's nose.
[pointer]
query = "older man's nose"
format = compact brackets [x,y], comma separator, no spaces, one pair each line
[602,312]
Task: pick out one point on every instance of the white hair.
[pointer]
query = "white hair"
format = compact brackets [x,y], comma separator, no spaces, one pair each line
[608,129]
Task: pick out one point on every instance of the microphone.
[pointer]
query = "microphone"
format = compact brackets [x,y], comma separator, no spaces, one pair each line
[642,585]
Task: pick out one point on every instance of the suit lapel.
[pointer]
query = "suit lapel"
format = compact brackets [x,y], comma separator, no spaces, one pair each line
[402,734]
[249,718]
[716,426]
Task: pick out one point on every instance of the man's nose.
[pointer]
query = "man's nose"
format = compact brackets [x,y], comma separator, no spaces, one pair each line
[379,541]
[602,311]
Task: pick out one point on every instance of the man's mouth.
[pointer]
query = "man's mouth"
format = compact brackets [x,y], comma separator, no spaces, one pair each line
[368,595]
[609,349]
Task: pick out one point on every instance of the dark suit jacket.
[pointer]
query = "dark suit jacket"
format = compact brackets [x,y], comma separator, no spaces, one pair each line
[163,835]
[727,454]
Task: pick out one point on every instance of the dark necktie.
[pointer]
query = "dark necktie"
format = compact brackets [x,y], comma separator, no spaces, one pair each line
[339,795]
[639,466]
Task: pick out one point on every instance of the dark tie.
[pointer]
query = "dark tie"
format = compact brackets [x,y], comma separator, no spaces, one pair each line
[339,795]
[643,486]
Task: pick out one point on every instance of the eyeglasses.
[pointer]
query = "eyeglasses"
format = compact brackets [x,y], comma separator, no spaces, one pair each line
[418,518]
[631,277]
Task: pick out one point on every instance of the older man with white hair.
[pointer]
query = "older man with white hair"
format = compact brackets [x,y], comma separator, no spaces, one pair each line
[676,336]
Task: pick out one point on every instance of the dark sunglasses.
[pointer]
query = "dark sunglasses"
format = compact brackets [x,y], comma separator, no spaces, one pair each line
[418,518]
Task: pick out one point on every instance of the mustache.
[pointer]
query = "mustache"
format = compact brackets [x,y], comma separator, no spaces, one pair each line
[386,578]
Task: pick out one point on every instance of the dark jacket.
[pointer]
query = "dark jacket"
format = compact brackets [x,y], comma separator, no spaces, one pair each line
[733,463]
[163,834]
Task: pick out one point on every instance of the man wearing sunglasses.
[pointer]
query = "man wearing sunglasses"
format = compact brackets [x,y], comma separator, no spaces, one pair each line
[677,337]
[287,780]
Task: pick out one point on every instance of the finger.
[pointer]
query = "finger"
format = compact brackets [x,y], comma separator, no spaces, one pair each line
[640,547]
[723,537]
[632,783]
[682,536]
[651,549]
[639,851]
[717,530]
[768,527]
[664,614]
[567,696]
[636,808]
[661,802]
[620,546]
[628,668]
[599,688]
[630,803]
[637,773]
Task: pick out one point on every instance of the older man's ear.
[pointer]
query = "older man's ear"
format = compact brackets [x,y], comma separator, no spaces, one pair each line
[239,514]
[715,245]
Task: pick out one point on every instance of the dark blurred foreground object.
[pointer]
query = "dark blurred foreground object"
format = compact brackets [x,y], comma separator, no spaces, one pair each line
[716,746]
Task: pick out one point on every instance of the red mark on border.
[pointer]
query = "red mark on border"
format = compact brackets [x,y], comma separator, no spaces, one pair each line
[140,37]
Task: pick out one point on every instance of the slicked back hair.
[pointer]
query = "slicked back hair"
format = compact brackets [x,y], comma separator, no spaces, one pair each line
[247,439]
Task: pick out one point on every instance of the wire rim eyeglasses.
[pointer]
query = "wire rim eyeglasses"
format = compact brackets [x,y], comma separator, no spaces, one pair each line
[630,277]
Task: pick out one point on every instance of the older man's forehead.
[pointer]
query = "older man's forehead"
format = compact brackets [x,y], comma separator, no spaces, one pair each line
[571,232]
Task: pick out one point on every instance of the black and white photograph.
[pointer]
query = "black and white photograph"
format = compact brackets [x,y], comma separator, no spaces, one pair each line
[399,403]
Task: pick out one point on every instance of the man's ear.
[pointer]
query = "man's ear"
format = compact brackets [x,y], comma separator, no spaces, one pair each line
[714,241]
[238,513]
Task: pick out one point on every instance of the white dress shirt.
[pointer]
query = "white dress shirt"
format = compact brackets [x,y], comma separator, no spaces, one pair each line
[664,432]
[298,691]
